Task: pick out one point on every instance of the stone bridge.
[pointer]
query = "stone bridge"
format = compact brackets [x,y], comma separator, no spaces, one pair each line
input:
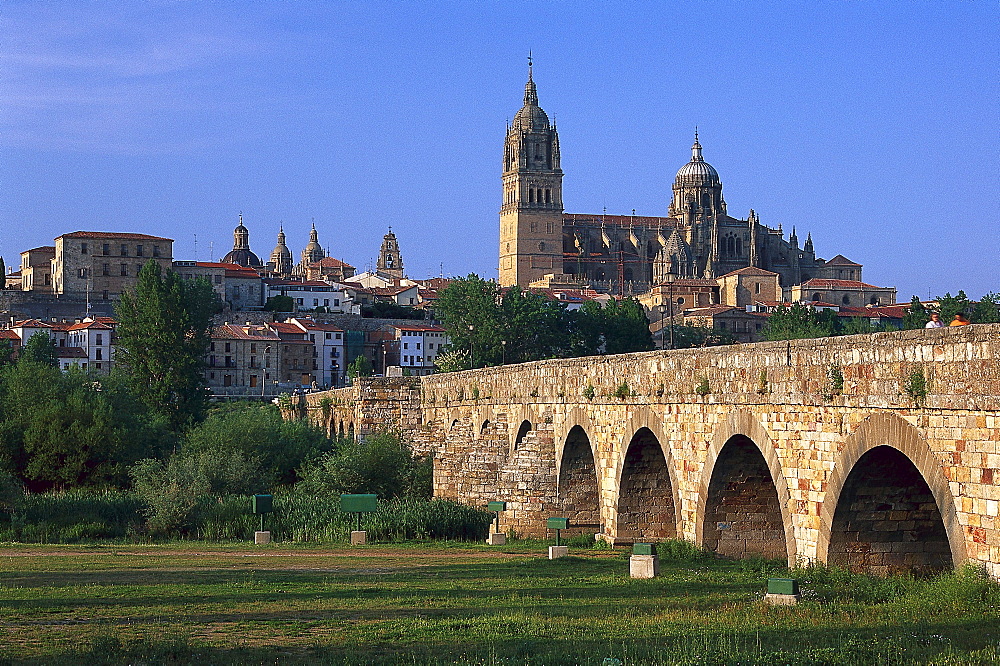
[877,452]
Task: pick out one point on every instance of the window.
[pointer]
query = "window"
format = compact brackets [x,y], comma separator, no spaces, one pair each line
[229,346]
[138,269]
[406,345]
[315,302]
[236,291]
[756,288]
[212,347]
[98,365]
[253,347]
[327,336]
[124,269]
[846,299]
[124,250]
[298,301]
[83,273]
[253,381]
[107,269]
[218,279]
[104,294]
[156,250]
[106,249]
[336,302]
[337,336]
[326,302]
[97,354]
[227,380]
[138,250]
[253,361]
[100,338]
[83,248]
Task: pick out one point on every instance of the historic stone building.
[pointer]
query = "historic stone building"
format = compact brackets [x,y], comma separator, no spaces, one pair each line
[241,254]
[390,261]
[698,239]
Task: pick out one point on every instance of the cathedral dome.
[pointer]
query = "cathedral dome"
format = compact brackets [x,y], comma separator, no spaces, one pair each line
[697,171]
[530,117]
[241,253]
[243,258]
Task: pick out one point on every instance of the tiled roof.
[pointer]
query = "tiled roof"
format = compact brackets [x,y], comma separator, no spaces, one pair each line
[8,334]
[390,291]
[751,270]
[50,249]
[113,234]
[319,326]
[234,332]
[275,282]
[32,323]
[420,329]
[70,352]
[826,283]
[712,311]
[96,325]
[841,260]
[330,262]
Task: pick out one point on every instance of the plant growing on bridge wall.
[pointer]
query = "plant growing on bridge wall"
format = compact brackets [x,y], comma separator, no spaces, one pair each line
[475,392]
[834,382]
[916,386]
[762,388]
[589,392]
[660,390]
[622,392]
[703,387]
[534,392]
[461,394]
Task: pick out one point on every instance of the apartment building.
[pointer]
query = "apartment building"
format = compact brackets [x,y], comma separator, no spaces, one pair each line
[244,360]
[100,265]
[329,351]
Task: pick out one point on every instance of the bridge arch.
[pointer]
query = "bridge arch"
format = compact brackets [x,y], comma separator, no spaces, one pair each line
[743,499]
[885,476]
[578,487]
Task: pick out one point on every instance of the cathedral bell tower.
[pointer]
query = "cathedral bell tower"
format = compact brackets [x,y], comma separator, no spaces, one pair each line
[390,261]
[531,243]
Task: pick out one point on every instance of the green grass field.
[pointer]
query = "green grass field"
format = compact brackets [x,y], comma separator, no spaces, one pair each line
[197,603]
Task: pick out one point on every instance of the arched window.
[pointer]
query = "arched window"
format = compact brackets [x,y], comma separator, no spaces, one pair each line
[548,196]
[531,195]
[816,296]
[846,300]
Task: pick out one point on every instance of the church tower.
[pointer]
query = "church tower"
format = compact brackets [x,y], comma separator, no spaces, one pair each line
[531,244]
[281,257]
[313,251]
[390,261]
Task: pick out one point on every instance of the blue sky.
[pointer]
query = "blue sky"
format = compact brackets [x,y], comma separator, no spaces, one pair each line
[872,125]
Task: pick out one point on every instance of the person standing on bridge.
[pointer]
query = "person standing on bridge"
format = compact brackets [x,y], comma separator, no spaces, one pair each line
[935,321]
[960,320]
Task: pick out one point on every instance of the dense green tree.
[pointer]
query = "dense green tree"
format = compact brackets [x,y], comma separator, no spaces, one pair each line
[280,304]
[625,328]
[799,321]
[859,325]
[40,348]
[699,336]
[529,327]
[360,367]
[382,464]
[163,338]
[267,448]
[917,315]
[949,306]
[469,308]
[987,310]
[62,430]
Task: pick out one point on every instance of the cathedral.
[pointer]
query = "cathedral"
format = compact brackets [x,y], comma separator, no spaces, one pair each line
[629,254]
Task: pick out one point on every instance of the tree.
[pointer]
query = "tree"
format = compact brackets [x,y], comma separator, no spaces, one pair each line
[248,448]
[469,308]
[386,310]
[799,321]
[360,367]
[917,315]
[280,304]
[949,306]
[701,336]
[40,348]
[63,430]
[163,338]
[987,310]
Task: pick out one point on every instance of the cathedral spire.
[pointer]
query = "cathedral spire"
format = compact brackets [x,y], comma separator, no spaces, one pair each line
[696,148]
[530,92]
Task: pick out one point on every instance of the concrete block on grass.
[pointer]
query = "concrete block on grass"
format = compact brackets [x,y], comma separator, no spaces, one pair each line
[644,566]
[496,539]
[261,538]
[359,538]
[555,552]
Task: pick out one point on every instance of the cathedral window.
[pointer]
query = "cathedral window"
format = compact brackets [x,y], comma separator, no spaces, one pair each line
[534,225]
[816,297]
[541,247]
[531,195]
[548,196]
[846,299]
[548,227]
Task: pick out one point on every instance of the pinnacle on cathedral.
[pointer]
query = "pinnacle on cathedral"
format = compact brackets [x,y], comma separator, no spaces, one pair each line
[313,251]
[281,257]
[241,253]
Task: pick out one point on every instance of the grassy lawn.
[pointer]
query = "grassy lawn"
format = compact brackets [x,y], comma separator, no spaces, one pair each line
[462,603]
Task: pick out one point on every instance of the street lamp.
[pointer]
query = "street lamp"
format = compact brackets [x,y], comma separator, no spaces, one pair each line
[472,349]
[670,295]
[503,352]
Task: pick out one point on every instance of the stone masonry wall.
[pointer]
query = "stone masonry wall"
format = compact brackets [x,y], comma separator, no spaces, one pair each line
[812,407]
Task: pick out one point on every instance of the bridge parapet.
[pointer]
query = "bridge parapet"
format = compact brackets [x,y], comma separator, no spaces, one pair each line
[848,440]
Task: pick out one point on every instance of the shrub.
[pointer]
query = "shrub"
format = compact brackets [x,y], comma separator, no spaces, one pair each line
[622,392]
[589,392]
[702,387]
[382,464]
[71,516]
[915,386]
